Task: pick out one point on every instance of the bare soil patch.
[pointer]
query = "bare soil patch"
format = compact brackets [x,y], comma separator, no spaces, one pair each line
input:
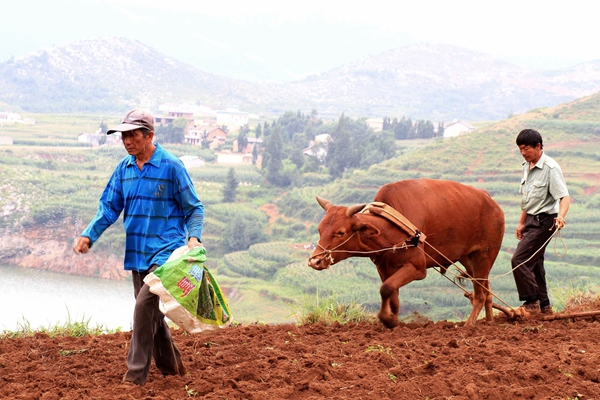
[530,359]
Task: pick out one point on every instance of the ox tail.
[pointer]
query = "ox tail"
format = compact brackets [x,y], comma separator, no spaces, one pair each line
[462,278]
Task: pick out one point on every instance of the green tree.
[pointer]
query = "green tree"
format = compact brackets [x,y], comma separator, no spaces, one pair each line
[258,131]
[297,152]
[342,151]
[273,156]
[241,233]
[254,153]
[103,127]
[172,133]
[205,142]
[230,188]
[242,138]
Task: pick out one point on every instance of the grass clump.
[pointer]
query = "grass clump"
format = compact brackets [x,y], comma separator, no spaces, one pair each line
[69,328]
[574,295]
[329,310]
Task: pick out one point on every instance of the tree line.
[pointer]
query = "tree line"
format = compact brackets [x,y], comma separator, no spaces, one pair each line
[290,148]
[405,129]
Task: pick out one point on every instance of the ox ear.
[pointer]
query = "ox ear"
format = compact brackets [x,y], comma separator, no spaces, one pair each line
[366,229]
[354,209]
[323,203]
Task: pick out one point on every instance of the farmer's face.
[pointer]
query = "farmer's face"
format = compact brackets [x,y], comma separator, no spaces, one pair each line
[135,143]
[531,154]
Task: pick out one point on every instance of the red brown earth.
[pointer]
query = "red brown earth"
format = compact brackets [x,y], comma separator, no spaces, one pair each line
[529,359]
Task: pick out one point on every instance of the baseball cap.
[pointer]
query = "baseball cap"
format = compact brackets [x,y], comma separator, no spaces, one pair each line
[134,119]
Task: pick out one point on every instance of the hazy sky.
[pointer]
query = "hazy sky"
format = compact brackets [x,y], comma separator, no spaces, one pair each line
[308,36]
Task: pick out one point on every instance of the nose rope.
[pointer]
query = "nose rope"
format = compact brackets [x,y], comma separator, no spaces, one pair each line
[328,253]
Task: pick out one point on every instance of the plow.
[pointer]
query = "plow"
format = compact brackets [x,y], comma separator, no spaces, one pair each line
[519,313]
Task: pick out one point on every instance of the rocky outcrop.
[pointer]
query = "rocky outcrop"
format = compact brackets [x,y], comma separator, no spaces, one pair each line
[51,250]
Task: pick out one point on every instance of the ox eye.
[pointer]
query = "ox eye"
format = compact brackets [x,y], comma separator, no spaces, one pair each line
[339,234]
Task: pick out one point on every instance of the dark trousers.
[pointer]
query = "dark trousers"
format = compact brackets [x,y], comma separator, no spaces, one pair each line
[531,276]
[151,337]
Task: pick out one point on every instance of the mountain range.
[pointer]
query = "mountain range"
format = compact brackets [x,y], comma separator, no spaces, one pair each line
[432,81]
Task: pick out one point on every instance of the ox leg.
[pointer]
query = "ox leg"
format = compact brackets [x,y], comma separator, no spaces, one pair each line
[390,302]
[482,295]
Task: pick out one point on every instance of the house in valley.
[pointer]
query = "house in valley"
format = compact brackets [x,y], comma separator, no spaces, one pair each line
[231,116]
[318,147]
[457,127]
[233,158]
[192,161]
[172,115]
[252,142]
[215,136]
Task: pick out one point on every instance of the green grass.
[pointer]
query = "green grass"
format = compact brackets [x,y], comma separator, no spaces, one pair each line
[329,310]
[69,328]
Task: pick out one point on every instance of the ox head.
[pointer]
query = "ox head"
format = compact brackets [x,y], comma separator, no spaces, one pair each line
[339,234]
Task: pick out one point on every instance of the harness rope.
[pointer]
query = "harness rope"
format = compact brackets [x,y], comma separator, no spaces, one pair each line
[393,215]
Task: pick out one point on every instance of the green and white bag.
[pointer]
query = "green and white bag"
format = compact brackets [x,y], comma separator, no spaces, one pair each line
[190,296]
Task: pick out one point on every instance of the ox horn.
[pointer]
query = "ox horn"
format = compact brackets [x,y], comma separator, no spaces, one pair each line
[323,203]
[354,209]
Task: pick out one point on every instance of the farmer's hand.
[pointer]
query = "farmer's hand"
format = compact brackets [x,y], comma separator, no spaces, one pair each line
[519,232]
[81,245]
[559,222]
[193,242]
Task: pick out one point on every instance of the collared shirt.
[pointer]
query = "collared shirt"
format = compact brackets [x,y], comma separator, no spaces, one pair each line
[160,209]
[542,187]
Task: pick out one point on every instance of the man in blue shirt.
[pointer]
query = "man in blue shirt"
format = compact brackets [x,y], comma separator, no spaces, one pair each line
[161,212]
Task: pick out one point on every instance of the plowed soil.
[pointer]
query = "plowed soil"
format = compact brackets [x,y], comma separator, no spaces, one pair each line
[528,359]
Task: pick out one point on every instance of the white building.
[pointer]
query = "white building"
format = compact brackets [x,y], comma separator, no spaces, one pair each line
[456,128]
[192,161]
[318,147]
[228,158]
[231,116]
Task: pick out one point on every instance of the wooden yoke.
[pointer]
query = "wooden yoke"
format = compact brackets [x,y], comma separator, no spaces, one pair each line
[394,216]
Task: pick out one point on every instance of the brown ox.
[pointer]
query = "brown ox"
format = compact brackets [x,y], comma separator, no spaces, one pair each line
[463,223]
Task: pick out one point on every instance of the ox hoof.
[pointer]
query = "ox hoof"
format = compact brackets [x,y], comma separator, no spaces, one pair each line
[389,322]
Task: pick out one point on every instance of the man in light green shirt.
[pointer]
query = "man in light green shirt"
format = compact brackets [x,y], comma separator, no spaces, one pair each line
[544,205]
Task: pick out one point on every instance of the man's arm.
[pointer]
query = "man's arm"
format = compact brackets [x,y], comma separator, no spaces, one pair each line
[563,208]
[109,209]
[193,208]
[521,225]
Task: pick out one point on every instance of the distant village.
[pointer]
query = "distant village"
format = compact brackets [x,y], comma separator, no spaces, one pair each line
[11,118]
[212,130]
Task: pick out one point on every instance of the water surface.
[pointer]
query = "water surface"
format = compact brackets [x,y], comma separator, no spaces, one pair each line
[44,299]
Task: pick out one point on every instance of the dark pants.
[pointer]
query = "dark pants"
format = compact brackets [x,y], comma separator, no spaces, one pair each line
[151,337]
[531,276]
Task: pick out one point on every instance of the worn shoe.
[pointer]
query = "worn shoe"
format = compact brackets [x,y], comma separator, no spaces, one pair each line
[532,307]
[547,309]
[132,381]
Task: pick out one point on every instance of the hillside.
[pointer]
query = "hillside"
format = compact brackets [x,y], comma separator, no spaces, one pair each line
[267,277]
[436,82]
[107,74]
[442,82]
[488,159]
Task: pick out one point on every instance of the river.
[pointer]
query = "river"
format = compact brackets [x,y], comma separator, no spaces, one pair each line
[45,299]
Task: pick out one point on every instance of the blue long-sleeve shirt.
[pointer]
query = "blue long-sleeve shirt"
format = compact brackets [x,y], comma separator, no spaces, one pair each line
[160,209]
